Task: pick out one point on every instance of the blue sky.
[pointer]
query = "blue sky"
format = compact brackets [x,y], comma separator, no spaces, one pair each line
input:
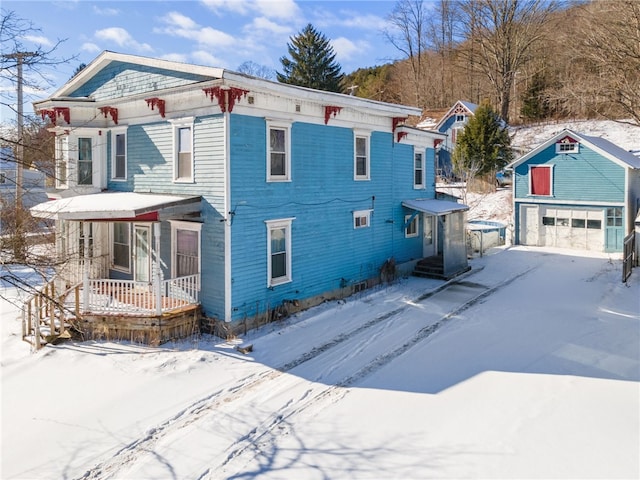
[220,33]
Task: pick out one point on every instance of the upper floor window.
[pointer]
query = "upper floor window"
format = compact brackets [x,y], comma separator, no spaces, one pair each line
[361,157]
[278,153]
[118,155]
[541,180]
[459,118]
[183,150]
[418,170]
[567,145]
[278,251]
[85,162]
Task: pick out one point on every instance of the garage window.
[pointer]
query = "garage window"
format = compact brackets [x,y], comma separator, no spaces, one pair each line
[562,222]
[550,221]
[594,224]
[578,222]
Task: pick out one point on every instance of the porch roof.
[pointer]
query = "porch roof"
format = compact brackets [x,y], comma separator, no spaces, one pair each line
[114,205]
[434,207]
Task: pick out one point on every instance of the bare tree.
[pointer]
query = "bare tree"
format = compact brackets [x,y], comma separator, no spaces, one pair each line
[609,49]
[408,34]
[257,70]
[500,36]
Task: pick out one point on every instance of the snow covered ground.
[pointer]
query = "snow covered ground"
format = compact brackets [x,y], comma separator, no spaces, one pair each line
[526,367]
[529,366]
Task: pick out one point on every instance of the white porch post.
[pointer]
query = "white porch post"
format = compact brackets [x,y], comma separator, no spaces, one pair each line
[85,267]
[157,277]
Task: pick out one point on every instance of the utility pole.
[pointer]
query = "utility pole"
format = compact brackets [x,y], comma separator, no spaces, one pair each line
[19,240]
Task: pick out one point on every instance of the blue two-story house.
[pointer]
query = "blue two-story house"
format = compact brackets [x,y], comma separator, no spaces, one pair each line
[576,191]
[244,196]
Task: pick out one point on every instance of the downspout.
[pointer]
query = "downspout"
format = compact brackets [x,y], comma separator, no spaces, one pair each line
[227,209]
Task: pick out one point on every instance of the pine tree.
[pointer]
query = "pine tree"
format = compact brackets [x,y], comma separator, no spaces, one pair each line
[484,146]
[312,63]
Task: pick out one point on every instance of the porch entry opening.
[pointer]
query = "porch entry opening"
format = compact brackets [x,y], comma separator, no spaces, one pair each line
[142,258]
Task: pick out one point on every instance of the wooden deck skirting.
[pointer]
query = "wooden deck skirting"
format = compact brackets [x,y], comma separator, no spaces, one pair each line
[148,330]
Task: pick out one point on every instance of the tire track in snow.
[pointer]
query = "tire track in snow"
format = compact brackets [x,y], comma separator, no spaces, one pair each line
[252,440]
[125,456]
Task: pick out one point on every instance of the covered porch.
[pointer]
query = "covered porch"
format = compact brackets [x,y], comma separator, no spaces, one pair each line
[444,251]
[113,275]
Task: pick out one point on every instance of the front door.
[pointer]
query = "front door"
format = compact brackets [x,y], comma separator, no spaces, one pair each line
[427,235]
[529,225]
[614,230]
[142,259]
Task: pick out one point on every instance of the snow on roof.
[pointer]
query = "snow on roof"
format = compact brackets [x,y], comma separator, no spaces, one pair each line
[434,207]
[108,205]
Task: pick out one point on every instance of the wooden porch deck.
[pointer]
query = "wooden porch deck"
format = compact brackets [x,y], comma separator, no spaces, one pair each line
[113,310]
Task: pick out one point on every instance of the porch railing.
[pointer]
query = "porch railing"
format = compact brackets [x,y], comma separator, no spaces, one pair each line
[45,313]
[128,297]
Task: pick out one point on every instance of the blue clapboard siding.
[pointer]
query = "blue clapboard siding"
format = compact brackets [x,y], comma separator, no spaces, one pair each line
[150,169]
[582,176]
[327,252]
[121,79]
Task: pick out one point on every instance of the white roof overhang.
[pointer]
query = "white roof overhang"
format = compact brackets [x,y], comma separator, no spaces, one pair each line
[435,207]
[114,205]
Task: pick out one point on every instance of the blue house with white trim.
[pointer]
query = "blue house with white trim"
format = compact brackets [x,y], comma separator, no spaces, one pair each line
[576,191]
[262,195]
[451,125]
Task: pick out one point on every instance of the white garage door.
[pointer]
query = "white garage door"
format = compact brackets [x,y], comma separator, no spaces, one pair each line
[572,228]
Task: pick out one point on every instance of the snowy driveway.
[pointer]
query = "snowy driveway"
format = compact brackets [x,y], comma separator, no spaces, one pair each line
[534,355]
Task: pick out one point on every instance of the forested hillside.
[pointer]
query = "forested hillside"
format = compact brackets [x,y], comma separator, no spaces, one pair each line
[532,60]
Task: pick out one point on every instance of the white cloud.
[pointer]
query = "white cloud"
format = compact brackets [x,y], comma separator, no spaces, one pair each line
[348,18]
[282,9]
[106,12]
[346,49]
[90,47]
[179,25]
[265,25]
[38,40]
[122,38]
[202,57]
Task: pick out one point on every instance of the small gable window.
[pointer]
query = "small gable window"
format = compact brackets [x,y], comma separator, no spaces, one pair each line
[567,145]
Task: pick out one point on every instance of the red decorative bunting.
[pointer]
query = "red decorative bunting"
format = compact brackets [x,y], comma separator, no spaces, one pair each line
[156,102]
[235,94]
[113,111]
[401,135]
[53,115]
[330,110]
[396,121]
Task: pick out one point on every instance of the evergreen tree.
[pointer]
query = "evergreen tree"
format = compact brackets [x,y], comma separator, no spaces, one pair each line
[535,101]
[312,63]
[483,147]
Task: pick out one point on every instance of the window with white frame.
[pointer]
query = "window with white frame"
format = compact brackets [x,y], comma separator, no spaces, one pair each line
[121,246]
[459,118]
[278,251]
[85,161]
[118,154]
[183,150]
[412,226]
[418,169]
[278,152]
[361,165]
[62,157]
[361,218]
[567,146]
[185,247]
